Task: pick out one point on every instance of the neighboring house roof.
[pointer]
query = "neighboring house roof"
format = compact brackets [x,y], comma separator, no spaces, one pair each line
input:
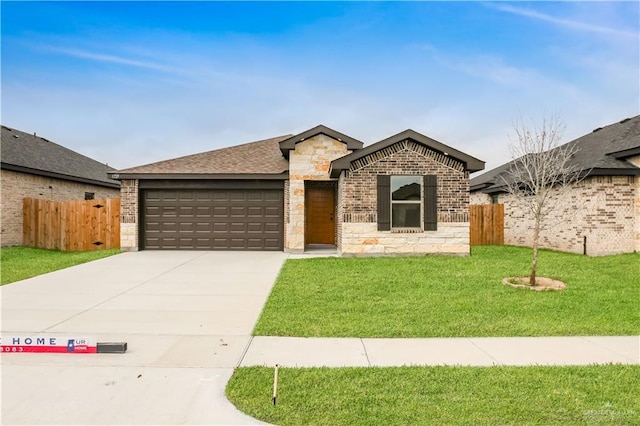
[28,153]
[255,159]
[601,153]
[290,143]
[471,164]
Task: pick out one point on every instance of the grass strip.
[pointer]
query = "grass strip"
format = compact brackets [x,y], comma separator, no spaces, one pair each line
[584,395]
[19,263]
[448,296]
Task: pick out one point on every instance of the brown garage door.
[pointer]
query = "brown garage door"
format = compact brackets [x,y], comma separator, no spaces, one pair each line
[213,219]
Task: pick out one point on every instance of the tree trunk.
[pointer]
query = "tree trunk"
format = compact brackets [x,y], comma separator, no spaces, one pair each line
[534,261]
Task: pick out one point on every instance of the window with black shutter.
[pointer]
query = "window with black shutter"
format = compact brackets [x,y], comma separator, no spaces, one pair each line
[407,202]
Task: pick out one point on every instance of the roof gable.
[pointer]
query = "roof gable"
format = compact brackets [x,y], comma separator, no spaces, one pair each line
[28,153]
[254,158]
[601,152]
[471,164]
[290,143]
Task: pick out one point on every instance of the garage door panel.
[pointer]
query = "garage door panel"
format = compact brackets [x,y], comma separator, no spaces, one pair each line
[204,211]
[237,195]
[169,196]
[188,227]
[220,196]
[271,212]
[185,196]
[271,243]
[221,211]
[272,228]
[221,228]
[255,211]
[237,228]
[253,227]
[203,227]
[204,196]
[187,211]
[249,219]
[168,211]
[238,211]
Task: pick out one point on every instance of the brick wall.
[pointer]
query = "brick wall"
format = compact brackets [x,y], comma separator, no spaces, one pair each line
[636,162]
[310,161]
[358,203]
[16,186]
[605,209]
[129,215]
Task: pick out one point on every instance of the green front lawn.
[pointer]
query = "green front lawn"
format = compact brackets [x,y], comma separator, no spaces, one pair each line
[606,394]
[19,263]
[447,296]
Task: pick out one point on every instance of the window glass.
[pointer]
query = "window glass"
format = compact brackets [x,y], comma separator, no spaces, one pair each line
[405,215]
[406,201]
[405,188]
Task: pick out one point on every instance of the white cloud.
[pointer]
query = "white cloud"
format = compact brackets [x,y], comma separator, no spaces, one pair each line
[565,22]
[114,59]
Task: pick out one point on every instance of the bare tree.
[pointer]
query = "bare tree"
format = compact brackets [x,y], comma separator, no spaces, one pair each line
[541,173]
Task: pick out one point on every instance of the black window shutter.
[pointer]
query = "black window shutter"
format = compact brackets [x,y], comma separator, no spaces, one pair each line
[430,203]
[384,203]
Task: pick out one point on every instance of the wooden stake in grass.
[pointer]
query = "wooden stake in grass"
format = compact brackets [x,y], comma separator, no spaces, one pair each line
[275,384]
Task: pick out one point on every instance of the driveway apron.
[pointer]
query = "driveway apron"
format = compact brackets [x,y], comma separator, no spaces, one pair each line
[186,317]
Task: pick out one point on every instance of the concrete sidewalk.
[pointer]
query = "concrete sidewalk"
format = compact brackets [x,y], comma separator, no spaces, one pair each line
[480,351]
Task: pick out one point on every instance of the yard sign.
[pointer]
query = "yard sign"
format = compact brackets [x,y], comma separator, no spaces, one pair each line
[48,344]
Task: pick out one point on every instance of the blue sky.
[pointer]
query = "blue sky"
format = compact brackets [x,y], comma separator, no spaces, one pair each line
[129,83]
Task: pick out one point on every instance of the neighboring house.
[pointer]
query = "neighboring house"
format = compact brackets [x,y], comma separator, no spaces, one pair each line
[405,194]
[601,215]
[34,167]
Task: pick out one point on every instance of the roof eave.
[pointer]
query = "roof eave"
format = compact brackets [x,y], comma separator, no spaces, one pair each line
[480,186]
[210,176]
[45,173]
[624,154]
[630,171]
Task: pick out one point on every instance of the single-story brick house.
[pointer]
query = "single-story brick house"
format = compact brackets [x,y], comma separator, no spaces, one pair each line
[34,167]
[601,214]
[405,194]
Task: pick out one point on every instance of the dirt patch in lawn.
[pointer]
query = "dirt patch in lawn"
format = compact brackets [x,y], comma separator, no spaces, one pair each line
[542,283]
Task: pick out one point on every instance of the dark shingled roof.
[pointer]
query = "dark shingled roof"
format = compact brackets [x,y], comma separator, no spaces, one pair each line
[255,158]
[602,152]
[27,153]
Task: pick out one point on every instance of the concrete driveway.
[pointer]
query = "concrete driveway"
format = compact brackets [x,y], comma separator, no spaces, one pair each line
[187,319]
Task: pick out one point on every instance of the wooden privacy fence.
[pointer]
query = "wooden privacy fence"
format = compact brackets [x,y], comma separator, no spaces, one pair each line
[71,225]
[487,224]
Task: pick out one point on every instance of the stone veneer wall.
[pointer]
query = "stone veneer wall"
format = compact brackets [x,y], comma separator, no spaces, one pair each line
[358,203]
[310,160]
[286,213]
[17,185]
[479,198]
[605,209]
[129,215]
